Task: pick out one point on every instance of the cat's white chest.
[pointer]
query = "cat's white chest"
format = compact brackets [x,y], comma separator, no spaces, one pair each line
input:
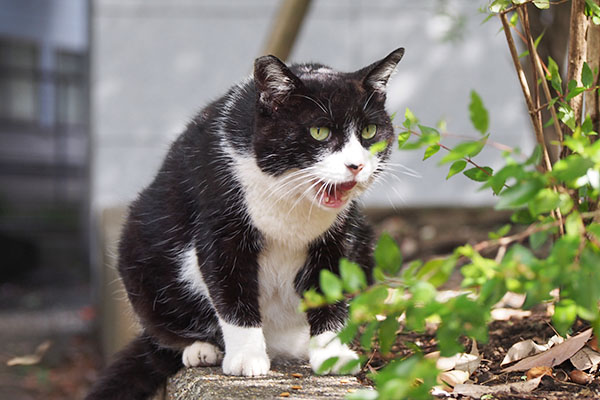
[285,328]
[277,209]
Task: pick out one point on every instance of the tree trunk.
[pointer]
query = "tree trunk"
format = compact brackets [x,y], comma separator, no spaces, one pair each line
[285,28]
[592,106]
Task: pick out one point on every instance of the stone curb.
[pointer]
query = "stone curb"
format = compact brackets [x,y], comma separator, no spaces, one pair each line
[283,381]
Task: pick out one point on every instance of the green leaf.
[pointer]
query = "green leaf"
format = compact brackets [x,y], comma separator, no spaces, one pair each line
[576,91]
[572,167]
[565,313]
[519,194]
[479,174]
[366,339]
[537,239]
[431,150]
[574,225]
[387,333]
[587,76]
[566,115]
[478,113]
[348,333]
[544,201]
[409,119]
[331,286]
[378,147]
[392,116]
[463,150]
[437,271]
[403,138]
[456,167]
[353,277]
[387,255]
[499,5]
[350,366]
[542,4]
[554,76]
[312,299]
[327,365]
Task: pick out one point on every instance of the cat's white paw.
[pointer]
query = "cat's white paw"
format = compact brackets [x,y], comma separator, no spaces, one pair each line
[201,354]
[327,345]
[253,363]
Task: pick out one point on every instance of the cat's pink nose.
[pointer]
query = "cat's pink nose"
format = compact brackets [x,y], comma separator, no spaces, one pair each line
[355,169]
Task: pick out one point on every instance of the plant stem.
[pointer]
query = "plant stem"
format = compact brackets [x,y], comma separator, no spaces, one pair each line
[537,127]
[577,51]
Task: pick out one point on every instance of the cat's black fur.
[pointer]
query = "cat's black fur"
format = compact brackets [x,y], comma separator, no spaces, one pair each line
[197,200]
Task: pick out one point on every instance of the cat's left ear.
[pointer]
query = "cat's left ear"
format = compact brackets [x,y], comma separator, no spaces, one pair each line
[274,81]
[376,75]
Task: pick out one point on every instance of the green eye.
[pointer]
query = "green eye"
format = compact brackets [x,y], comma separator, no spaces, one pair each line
[320,132]
[369,131]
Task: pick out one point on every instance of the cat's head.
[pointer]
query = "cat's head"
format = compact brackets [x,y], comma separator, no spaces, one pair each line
[315,127]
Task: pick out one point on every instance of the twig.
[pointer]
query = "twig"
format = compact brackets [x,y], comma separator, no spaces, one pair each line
[535,59]
[537,127]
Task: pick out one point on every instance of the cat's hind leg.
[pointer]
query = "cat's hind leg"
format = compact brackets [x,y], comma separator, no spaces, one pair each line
[201,354]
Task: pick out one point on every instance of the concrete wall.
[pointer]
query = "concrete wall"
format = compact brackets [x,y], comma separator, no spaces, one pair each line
[156,62]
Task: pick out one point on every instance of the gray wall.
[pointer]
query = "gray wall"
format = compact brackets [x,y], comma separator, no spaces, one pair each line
[156,62]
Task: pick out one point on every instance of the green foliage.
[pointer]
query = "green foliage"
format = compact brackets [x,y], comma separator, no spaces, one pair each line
[478,113]
[558,246]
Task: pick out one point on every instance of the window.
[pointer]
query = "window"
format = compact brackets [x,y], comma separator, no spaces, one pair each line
[70,88]
[19,88]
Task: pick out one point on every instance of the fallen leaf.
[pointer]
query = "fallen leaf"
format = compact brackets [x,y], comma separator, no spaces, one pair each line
[284,394]
[477,391]
[585,359]
[296,387]
[31,359]
[297,375]
[555,355]
[460,361]
[522,349]
[536,372]
[504,314]
[453,378]
[580,377]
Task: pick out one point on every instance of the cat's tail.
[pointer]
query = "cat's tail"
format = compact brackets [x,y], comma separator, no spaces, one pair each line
[137,371]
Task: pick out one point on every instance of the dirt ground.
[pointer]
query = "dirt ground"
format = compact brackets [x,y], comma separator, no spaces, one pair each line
[64,317]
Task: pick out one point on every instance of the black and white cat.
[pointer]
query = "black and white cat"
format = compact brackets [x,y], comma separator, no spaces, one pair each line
[251,202]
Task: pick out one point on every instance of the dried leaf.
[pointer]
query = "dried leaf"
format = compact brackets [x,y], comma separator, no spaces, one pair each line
[554,356]
[31,359]
[536,372]
[504,314]
[585,359]
[580,377]
[523,349]
[512,388]
[453,378]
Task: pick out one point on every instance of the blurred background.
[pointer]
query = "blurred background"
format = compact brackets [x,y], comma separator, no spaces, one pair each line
[92,92]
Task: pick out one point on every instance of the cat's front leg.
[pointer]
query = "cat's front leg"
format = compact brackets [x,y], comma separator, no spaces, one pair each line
[325,323]
[245,350]
[233,291]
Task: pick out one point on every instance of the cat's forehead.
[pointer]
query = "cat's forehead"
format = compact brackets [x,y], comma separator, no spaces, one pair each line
[328,85]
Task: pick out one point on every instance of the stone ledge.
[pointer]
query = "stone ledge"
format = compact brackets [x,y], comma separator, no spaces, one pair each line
[210,383]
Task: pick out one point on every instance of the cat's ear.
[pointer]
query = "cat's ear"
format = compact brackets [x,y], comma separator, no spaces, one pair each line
[274,81]
[376,75]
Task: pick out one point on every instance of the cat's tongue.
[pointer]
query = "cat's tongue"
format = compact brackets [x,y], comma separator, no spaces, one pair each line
[335,195]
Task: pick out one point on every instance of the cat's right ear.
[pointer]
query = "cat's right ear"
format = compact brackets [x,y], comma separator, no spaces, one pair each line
[274,81]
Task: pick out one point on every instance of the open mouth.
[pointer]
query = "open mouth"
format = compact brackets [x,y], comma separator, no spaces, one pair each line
[334,196]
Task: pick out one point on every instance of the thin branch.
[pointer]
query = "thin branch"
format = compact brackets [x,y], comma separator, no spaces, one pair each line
[535,60]
[526,93]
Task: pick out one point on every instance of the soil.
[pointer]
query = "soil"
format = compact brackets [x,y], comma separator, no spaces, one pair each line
[502,335]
